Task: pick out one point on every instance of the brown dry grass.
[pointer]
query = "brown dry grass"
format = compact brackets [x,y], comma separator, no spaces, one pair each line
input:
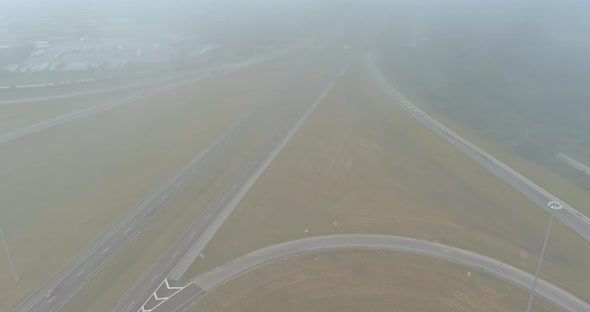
[366,281]
[361,161]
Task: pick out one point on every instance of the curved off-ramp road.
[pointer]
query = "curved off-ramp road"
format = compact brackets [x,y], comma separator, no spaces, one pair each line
[207,282]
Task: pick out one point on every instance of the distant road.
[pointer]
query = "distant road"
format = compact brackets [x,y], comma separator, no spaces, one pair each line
[209,281]
[568,216]
[162,278]
[218,68]
[91,111]
[574,163]
[83,267]
[95,91]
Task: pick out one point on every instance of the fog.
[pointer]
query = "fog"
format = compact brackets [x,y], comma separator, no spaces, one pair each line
[515,71]
[137,123]
[525,61]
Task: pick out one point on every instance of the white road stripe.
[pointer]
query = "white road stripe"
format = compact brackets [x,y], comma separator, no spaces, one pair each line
[106,249]
[80,273]
[127,230]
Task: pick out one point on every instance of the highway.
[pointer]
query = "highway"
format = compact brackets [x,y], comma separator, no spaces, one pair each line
[162,278]
[568,216]
[181,298]
[76,273]
[172,84]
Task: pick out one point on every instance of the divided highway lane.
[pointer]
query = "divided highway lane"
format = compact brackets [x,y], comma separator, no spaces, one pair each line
[149,291]
[74,275]
[207,282]
[187,80]
[568,216]
[83,267]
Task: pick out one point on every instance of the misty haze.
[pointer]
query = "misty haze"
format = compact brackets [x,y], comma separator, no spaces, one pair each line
[294,155]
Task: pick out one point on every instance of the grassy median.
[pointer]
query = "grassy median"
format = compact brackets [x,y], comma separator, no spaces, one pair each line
[67,184]
[362,165]
[106,290]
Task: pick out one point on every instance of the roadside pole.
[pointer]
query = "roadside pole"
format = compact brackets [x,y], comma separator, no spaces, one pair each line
[555,206]
[7,250]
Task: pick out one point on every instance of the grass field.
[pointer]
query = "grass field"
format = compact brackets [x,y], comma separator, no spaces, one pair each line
[366,281]
[105,291]
[18,115]
[361,161]
[550,179]
[106,164]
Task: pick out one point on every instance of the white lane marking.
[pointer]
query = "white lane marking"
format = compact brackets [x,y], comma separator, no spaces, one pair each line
[222,200]
[48,301]
[193,234]
[175,288]
[127,230]
[131,304]
[80,273]
[445,250]
[164,197]
[208,216]
[154,278]
[106,249]
[175,254]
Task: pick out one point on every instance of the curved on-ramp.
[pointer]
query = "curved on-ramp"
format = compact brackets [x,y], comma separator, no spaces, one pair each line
[221,275]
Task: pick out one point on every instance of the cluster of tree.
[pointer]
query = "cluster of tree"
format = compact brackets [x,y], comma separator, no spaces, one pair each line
[516,72]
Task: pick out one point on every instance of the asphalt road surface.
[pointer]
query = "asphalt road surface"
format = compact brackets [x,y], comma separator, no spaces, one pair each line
[172,84]
[568,216]
[74,275]
[160,280]
[201,285]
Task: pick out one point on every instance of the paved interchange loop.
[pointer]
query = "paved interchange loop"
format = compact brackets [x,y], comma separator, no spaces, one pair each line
[209,281]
